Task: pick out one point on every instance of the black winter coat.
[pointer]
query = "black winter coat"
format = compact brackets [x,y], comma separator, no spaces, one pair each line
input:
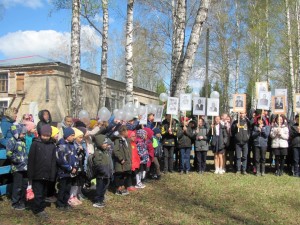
[186,138]
[242,134]
[42,161]
[295,135]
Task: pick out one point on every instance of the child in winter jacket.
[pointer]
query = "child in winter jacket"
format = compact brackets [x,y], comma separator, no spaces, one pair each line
[42,168]
[45,118]
[157,151]
[144,156]
[122,161]
[78,181]
[16,153]
[103,169]
[67,161]
[135,159]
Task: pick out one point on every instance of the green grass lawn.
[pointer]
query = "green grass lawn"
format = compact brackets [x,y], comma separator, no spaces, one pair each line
[186,199]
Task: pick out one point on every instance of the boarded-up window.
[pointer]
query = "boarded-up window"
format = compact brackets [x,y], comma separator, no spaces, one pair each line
[3,82]
[20,83]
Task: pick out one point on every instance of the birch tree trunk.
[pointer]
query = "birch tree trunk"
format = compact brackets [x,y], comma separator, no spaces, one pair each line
[179,25]
[128,50]
[237,52]
[76,88]
[267,42]
[290,55]
[104,54]
[182,74]
[298,43]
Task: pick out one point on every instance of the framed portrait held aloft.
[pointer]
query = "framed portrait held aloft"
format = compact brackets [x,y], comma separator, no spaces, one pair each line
[159,113]
[264,100]
[297,103]
[239,103]
[278,104]
[213,107]
[185,102]
[261,87]
[172,106]
[199,106]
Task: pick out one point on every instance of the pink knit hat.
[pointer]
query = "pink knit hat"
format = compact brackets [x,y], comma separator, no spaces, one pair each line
[29,125]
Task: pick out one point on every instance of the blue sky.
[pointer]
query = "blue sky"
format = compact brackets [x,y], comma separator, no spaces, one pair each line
[25,22]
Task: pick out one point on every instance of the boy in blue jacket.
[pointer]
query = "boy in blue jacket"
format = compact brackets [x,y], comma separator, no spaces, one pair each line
[67,162]
[16,153]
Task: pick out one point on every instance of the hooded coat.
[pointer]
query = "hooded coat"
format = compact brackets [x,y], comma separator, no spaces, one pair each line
[16,150]
[136,161]
[42,160]
[42,122]
[6,124]
[149,144]
[122,151]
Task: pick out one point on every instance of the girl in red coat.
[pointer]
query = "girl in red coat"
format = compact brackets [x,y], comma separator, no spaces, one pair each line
[150,148]
[135,158]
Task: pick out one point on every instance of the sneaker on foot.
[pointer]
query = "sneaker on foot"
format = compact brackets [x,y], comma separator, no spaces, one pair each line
[18,207]
[98,205]
[217,171]
[51,199]
[140,185]
[42,215]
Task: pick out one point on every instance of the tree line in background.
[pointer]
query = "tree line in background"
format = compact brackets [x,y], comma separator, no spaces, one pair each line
[226,45]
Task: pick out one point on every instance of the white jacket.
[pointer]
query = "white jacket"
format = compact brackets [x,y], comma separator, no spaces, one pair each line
[280,136]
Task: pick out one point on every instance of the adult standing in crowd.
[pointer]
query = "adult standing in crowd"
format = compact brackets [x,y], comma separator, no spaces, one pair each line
[280,135]
[260,135]
[241,131]
[295,144]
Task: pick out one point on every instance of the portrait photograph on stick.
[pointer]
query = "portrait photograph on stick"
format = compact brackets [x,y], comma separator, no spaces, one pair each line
[212,107]
[264,100]
[199,106]
[158,114]
[278,104]
[239,103]
[261,87]
[185,102]
[172,106]
[297,103]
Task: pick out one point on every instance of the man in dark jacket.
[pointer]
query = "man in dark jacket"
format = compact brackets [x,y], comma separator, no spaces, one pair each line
[103,168]
[241,131]
[169,134]
[186,136]
[41,168]
[45,118]
[295,144]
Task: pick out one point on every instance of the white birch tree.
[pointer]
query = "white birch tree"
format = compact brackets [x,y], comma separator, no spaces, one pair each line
[76,87]
[128,50]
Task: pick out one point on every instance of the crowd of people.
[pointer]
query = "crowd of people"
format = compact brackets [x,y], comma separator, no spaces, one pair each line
[55,162]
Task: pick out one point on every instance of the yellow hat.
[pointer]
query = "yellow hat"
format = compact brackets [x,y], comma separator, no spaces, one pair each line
[55,131]
[93,123]
[77,132]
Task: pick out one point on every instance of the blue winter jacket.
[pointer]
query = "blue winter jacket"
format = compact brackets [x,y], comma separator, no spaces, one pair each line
[66,158]
[260,139]
[16,152]
[6,123]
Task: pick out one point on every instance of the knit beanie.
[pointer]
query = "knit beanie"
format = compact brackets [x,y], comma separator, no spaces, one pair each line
[29,125]
[156,131]
[46,130]
[55,131]
[77,132]
[100,140]
[82,129]
[141,134]
[68,132]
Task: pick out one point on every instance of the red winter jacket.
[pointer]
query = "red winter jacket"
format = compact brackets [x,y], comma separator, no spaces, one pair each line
[135,156]
[149,143]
